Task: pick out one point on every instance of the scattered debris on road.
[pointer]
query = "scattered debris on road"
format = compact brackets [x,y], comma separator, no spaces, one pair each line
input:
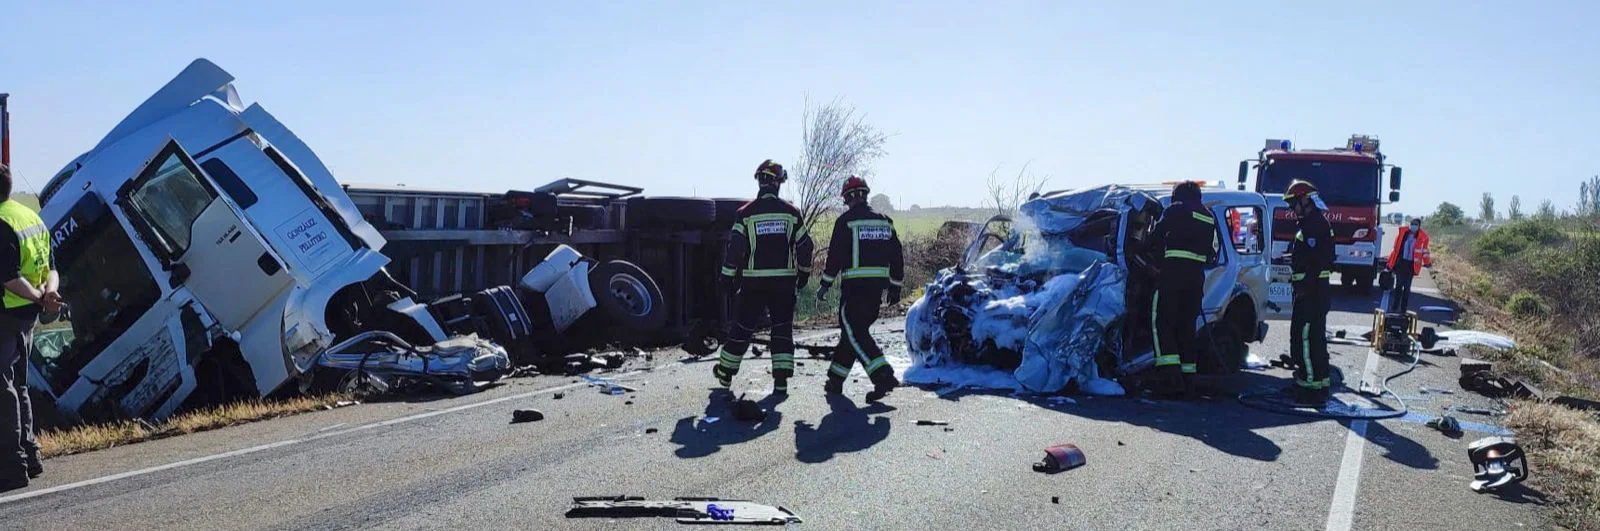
[526,415]
[342,403]
[933,423]
[648,431]
[558,396]
[1060,458]
[685,510]
[1476,410]
[1496,462]
[608,386]
[1447,425]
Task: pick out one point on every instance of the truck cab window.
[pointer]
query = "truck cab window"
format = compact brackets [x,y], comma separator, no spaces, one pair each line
[170,200]
[104,279]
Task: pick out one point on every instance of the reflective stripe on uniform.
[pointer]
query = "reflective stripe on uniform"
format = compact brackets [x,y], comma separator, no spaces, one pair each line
[1325,274]
[783,360]
[1190,368]
[866,272]
[789,223]
[877,363]
[860,354]
[1204,218]
[1155,325]
[1169,359]
[839,370]
[855,238]
[894,282]
[1179,253]
[752,273]
[728,271]
[1305,354]
[33,246]
[728,359]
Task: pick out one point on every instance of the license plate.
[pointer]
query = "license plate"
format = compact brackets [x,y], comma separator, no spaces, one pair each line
[1280,292]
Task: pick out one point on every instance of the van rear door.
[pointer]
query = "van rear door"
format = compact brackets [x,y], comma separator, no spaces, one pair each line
[199,234]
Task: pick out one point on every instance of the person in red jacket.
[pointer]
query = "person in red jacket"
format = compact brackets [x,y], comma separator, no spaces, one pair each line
[1406,260]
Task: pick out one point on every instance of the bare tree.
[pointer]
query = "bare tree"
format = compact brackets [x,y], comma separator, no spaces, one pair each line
[1589,196]
[1547,211]
[836,143]
[1514,209]
[1006,194]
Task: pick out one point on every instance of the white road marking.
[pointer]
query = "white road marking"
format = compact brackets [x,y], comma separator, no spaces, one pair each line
[1341,514]
[286,442]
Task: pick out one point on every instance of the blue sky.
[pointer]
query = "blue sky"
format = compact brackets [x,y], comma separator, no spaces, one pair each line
[687,97]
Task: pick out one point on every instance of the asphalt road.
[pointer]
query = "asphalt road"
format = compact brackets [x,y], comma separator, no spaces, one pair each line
[457,462]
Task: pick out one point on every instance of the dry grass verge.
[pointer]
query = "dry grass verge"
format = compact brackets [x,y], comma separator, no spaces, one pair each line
[91,437]
[1563,444]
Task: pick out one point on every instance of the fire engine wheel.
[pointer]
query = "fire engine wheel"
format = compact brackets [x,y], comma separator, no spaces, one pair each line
[628,296]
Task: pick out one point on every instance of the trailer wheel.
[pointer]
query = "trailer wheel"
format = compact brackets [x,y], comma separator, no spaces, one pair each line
[671,212]
[628,296]
[727,210]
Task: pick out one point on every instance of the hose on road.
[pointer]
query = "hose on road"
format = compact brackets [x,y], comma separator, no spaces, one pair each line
[1277,403]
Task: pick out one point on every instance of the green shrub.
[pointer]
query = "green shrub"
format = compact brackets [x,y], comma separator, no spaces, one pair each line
[1525,304]
[1482,287]
[1506,241]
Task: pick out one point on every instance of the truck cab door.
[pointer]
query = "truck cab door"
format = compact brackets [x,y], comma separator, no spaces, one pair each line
[202,239]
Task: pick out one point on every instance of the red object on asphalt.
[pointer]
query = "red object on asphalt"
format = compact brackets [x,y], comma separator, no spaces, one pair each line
[1061,458]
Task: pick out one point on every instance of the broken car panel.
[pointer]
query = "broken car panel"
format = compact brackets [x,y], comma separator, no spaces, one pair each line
[1058,301]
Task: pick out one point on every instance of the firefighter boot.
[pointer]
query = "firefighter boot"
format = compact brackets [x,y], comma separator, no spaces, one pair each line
[882,385]
[834,387]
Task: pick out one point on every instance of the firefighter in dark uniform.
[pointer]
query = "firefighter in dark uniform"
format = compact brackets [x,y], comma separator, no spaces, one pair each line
[864,256]
[768,261]
[1311,261]
[1188,235]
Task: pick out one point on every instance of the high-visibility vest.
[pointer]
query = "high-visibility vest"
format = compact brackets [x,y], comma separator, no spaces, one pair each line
[33,240]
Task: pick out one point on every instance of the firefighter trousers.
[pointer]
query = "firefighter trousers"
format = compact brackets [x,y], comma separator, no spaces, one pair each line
[1174,309]
[858,309]
[1308,340]
[759,302]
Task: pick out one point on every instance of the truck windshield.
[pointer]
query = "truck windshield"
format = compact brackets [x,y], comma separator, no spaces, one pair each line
[1343,183]
[104,280]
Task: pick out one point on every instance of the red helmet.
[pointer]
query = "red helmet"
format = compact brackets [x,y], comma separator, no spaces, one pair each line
[770,172]
[854,185]
[1299,189]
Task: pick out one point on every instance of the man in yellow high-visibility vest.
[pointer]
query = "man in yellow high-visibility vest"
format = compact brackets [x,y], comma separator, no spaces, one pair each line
[24,260]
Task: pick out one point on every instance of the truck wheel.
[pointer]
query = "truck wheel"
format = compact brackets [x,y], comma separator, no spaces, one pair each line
[727,210]
[628,296]
[671,212]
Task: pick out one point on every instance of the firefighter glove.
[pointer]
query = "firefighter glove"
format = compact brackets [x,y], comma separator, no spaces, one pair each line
[894,296]
[822,292]
[800,281]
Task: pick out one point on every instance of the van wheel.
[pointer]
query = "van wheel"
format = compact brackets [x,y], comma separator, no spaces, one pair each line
[628,296]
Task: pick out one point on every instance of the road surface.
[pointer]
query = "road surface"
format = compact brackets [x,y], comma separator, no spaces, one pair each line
[457,462]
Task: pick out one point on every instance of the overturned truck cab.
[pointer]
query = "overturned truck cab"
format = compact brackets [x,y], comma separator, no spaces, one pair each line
[206,253]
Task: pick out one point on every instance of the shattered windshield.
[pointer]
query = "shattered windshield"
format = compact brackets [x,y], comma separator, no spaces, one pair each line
[1343,183]
[104,281]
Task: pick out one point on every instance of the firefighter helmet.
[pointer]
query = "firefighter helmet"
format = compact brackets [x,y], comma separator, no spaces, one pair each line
[770,172]
[1299,189]
[854,185]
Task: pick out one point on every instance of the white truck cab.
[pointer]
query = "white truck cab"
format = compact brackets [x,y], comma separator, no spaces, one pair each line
[201,236]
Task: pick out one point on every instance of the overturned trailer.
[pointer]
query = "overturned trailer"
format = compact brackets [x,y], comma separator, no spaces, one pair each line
[1062,298]
[207,253]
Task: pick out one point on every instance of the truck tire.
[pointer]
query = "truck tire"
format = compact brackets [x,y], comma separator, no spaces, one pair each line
[671,212]
[628,296]
[506,321]
[727,210]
